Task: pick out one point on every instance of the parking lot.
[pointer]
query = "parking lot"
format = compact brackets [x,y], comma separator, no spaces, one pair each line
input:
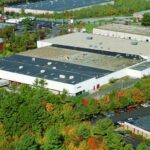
[139,112]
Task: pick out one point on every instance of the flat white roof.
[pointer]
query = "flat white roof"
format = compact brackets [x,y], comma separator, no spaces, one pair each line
[139,30]
[104,43]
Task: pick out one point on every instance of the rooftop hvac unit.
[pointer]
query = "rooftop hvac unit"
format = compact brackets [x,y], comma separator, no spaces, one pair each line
[54,68]
[71,77]
[62,76]
[89,38]
[42,71]
[134,43]
[49,63]
[20,67]
[33,59]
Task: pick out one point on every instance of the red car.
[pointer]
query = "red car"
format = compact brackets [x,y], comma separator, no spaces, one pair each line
[131,108]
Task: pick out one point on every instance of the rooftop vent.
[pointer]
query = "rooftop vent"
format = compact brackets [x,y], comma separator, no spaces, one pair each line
[42,71]
[33,59]
[62,76]
[54,68]
[49,63]
[89,37]
[71,77]
[134,43]
[20,67]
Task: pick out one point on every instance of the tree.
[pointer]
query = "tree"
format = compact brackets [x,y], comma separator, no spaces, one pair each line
[54,140]
[27,142]
[28,24]
[128,147]
[102,127]
[137,95]
[115,141]
[92,143]
[142,146]
[83,132]
[146,19]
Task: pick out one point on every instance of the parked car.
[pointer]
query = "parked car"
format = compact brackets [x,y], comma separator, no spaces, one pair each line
[119,111]
[110,114]
[130,119]
[131,108]
[145,105]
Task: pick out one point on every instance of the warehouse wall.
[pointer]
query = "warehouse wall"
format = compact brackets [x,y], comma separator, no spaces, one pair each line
[121,35]
[136,130]
[25,79]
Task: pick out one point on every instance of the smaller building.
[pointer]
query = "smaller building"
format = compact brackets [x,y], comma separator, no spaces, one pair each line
[121,31]
[140,126]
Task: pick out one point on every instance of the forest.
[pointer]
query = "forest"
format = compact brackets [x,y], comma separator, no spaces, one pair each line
[33,118]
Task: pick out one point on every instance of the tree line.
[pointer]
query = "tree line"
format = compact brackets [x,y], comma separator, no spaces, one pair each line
[36,119]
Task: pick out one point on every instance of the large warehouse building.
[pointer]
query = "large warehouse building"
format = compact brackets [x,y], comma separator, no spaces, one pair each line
[78,62]
[49,7]
[76,79]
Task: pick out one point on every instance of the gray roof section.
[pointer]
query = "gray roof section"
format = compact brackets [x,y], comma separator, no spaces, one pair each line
[141,66]
[51,70]
[142,122]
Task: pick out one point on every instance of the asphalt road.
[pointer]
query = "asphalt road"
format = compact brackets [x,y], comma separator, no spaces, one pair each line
[87,20]
[105,18]
[142,111]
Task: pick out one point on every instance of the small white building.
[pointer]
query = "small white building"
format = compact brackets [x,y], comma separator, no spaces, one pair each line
[124,32]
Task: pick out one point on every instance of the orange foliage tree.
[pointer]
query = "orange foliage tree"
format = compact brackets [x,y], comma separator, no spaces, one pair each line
[92,143]
[84,102]
[121,93]
[137,95]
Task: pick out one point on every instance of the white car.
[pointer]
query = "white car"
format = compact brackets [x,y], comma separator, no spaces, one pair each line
[145,105]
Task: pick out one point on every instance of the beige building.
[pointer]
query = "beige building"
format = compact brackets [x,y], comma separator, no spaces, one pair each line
[139,126]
